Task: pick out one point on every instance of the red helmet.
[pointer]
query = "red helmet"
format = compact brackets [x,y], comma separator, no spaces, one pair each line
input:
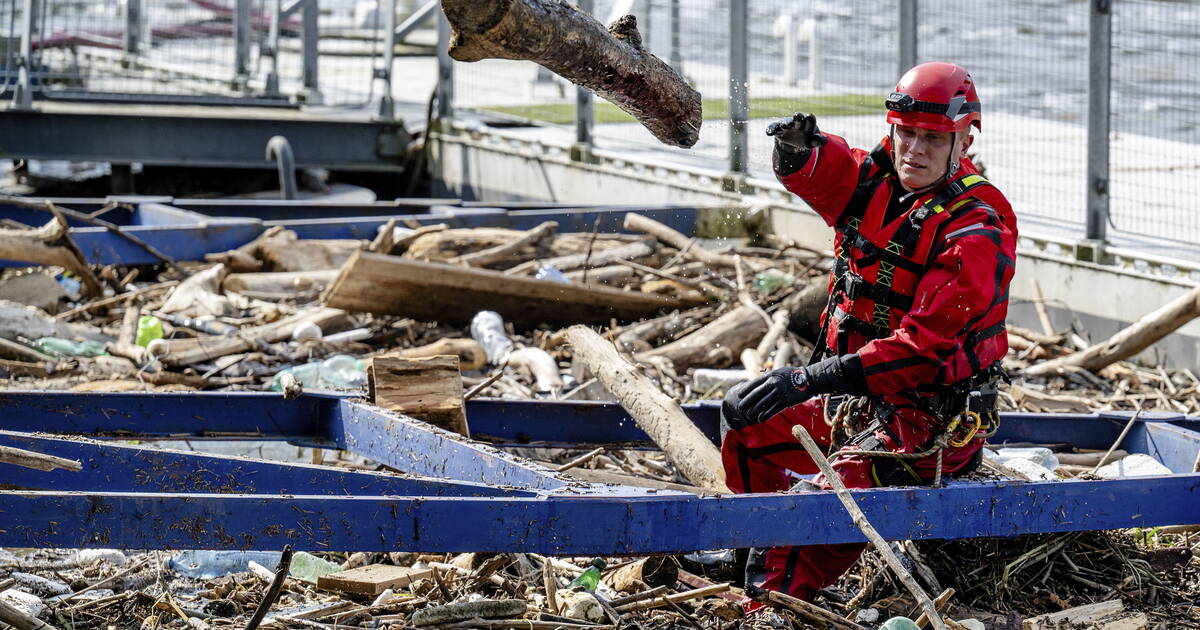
[936,95]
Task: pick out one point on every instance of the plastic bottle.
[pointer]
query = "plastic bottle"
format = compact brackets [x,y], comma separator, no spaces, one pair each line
[206,565]
[770,281]
[899,623]
[308,567]
[340,371]
[487,328]
[590,578]
[550,272]
[59,348]
[149,328]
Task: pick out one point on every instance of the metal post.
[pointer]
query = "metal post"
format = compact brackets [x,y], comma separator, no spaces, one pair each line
[270,50]
[387,106]
[241,36]
[23,95]
[676,54]
[1100,75]
[445,85]
[739,106]
[308,23]
[584,105]
[644,25]
[133,26]
[908,36]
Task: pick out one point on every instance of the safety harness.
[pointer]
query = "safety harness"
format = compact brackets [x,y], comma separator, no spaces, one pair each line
[966,409]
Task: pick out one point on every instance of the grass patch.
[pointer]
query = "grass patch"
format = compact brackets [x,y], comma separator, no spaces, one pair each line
[714,108]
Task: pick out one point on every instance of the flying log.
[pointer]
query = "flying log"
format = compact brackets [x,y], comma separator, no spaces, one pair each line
[610,62]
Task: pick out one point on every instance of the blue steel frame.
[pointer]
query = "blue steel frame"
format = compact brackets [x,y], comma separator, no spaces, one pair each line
[455,494]
[186,234]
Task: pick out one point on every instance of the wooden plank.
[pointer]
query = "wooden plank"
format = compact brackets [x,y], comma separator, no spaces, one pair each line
[427,388]
[372,579]
[391,285]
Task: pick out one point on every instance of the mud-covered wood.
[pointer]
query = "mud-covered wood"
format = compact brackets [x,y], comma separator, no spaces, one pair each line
[608,61]
[428,389]
[372,579]
[451,294]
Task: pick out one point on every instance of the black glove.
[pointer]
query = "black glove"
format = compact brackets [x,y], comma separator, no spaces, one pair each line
[797,134]
[786,387]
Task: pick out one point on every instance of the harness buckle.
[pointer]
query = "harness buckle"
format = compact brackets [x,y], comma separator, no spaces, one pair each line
[852,285]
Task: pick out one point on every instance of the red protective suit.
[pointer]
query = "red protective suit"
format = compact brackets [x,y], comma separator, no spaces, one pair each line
[918,305]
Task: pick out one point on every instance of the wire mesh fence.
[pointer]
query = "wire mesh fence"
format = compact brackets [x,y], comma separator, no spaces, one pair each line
[143,49]
[839,59]
[1155,140]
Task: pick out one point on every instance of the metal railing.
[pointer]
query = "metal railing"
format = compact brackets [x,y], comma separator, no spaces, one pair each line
[220,51]
[1090,122]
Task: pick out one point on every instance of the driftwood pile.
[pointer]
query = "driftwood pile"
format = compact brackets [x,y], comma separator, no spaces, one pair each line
[234,322]
[690,319]
[371,590]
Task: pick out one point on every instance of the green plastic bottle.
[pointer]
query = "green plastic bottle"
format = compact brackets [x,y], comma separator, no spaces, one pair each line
[899,623]
[62,348]
[149,328]
[590,578]
[308,567]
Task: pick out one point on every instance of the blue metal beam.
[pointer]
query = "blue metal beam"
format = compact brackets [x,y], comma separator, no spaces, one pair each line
[416,447]
[189,414]
[585,525]
[109,467]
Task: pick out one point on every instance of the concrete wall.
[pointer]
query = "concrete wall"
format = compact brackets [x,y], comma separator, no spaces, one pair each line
[1098,299]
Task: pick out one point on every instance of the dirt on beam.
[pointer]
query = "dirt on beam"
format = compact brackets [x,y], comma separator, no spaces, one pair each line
[610,62]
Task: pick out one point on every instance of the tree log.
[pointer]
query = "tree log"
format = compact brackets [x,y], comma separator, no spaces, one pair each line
[717,344]
[641,336]
[471,355]
[37,461]
[50,244]
[676,239]
[610,62]
[659,416]
[279,282]
[1130,341]
[500,252]
[653,571]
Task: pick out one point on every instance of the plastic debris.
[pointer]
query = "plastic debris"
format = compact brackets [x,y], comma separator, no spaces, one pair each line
[1135,465]
[487,328]
[210,564]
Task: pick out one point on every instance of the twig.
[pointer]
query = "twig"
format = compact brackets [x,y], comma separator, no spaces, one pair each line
[136,566]
[37,461]
[579,461]
[676,598]
[638,597]
[860,519]
[91,306]
[1120,438]
[551,585]
[115,229]
[281,572]
[810,612]
[591,242]
[474,391]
